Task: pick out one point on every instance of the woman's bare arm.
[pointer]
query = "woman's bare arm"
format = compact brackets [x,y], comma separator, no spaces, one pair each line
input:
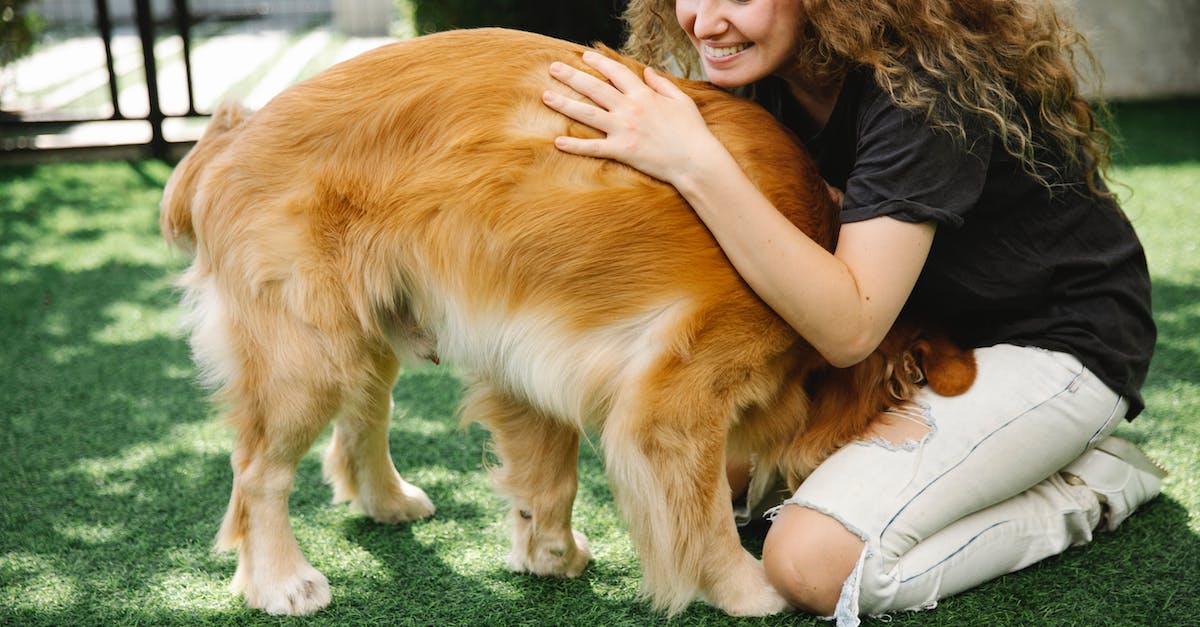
[843,303]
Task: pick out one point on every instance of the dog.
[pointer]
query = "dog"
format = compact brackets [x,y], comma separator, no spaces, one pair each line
[408,205]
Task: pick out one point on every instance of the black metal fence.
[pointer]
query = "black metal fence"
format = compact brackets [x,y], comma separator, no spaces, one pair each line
[139,77]
[95,83]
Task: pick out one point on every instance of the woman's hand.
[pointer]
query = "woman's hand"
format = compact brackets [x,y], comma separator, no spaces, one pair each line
[842,303]
[648,122]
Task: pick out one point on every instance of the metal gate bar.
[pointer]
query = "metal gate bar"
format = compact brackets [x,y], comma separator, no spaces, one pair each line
[15,144]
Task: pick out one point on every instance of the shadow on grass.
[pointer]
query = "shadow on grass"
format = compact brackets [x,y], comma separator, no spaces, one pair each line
[1177,354]
[98,501]
[1128,577]
[115,478]
[90,363]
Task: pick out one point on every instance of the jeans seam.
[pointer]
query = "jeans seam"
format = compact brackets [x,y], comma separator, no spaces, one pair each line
[1094,440]
[974,448]
[960,549]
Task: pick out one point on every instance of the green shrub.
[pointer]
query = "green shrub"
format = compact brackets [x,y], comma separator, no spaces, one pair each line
[19,29]
[582,21]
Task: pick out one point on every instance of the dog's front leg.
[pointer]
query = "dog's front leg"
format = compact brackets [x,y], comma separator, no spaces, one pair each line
[538,471]
[665,453]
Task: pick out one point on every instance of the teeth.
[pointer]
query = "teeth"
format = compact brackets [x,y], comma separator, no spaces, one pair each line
[725,50]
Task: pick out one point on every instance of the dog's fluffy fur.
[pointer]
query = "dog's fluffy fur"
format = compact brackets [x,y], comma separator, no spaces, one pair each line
[410,201]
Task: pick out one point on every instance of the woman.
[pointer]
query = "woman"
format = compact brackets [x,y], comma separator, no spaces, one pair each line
[968,169]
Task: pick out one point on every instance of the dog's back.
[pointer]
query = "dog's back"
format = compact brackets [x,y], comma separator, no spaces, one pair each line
[412,199]
[413,183]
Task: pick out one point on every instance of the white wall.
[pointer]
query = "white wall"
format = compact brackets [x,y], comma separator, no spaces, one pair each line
[1146,48]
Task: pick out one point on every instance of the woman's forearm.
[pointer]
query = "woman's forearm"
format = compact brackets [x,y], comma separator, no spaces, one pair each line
[842,303]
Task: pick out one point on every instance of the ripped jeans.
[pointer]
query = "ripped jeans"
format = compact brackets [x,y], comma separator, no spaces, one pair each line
[980,495]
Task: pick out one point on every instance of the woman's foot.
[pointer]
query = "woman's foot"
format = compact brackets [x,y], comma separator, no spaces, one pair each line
[1122,476]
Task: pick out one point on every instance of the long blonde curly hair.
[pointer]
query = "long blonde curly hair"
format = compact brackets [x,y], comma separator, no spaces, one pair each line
[1013,62]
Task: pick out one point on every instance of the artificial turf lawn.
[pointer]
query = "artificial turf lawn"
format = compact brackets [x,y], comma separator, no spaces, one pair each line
[114,471]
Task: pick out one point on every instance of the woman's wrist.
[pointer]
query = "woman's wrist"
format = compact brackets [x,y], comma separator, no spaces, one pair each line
[709,164]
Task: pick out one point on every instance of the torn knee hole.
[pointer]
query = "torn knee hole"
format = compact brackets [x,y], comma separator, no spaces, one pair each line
[902,428]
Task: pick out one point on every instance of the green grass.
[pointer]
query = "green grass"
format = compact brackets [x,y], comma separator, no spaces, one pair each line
[114,471]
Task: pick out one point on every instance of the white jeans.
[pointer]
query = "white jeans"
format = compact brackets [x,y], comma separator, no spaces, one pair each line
[978,497]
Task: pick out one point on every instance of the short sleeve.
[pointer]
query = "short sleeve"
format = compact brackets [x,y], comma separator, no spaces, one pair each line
[906,169]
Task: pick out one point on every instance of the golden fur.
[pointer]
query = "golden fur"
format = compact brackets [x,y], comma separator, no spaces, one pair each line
[410,202]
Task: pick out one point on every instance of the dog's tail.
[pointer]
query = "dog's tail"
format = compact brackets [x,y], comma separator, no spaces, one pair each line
[175,217]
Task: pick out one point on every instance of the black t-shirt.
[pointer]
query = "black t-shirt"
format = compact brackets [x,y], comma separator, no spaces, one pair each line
[1012,261]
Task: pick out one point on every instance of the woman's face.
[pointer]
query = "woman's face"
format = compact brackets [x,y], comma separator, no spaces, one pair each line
[741,41]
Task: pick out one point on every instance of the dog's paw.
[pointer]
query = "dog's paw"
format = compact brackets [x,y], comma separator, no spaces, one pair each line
[553,558]
[745,591]
[583,554]
[407,504]
[304,592]
[764,602]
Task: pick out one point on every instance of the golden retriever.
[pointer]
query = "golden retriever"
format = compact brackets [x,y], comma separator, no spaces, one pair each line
[410,202]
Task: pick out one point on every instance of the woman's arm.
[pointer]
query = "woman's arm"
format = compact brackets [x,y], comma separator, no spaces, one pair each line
[842,303]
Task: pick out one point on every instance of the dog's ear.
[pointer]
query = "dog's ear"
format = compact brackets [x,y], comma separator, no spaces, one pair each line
[949,370]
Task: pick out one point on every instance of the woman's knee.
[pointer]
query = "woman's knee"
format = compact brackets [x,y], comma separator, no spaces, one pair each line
[808,556]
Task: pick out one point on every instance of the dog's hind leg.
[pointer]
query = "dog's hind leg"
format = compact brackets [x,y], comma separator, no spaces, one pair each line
[289,379]
[664,446]
[538,471]
[357,463]
[274,430]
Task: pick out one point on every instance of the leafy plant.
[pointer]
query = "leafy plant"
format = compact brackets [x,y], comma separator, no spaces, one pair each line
[582,21]
[19,29]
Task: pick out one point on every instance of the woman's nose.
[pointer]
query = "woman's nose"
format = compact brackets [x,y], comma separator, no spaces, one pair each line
[709,20]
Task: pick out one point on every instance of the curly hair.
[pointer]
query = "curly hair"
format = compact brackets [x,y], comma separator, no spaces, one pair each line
[1012,62]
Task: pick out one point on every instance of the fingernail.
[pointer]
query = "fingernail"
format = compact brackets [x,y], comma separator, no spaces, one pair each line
[591,55]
